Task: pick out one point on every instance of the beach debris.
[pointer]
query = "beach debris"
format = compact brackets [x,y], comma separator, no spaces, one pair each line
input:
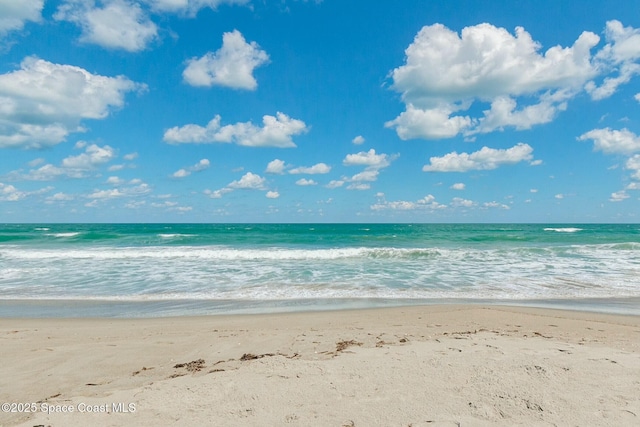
[538,334]
[193,366]
[144,368]
[343,345]
[250,356]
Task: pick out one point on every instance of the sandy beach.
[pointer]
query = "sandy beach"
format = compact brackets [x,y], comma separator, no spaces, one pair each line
[412,366]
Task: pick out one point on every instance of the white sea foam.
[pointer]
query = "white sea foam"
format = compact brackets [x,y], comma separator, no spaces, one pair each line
[564,229]
[220,273]
[70,234]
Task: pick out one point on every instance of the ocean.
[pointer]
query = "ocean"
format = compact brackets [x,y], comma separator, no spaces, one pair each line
[134,270]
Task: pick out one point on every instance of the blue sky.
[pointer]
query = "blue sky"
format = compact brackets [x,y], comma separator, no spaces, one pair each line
[319,111]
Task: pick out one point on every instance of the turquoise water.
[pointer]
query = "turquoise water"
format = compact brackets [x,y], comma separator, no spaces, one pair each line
[179,268]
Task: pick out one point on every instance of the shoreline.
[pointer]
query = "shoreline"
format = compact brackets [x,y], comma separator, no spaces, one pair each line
[435,365]
[128,309]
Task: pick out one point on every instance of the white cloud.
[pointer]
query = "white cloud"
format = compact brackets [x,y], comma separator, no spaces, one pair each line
[249,181]
[36,162]
[92,157]
[637,97]
[275,132]
[488,205]
[458,202]
[119,24]
[458,186]
[433,123]
[106,194]
[426,203]
[633,186]
[306,182]
[445,73]
[336,183]
[319,168]
[200,166]
[633,163]
[358,140]
[136,188]
[619,54]
[114,180]
[181,173]
[275,166]
[130,156]
[559,196]
[502,114]
[613,141]
[14,14]
[189,7]
[43,102]
[367,158]
[272,195]
[232,65]
[9,193]
[373,162]
[358,186]
[485,159]
[60,197]
[369,175]
[78,166]
[618,196]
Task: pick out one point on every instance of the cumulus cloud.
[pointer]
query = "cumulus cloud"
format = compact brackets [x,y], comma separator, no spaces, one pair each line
[135,188]
[618,196]
[249,181]
[118,24]
[613,141]
[458,186]
[633,163]
[637,97]
[367,158]
[59,197]
[272,195]
[495,205]
[189,7]
[319,168]
[305,182]
[78,166]
[92,157]
[426,203]
[620,54]
[41,103]
[275,132]
[484,159]
[373,164]
[358,140]
[276,167]
[200,166]
[14,14]
[9,193]
[458,202]
[335,183]
[445,73]
[232,65]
